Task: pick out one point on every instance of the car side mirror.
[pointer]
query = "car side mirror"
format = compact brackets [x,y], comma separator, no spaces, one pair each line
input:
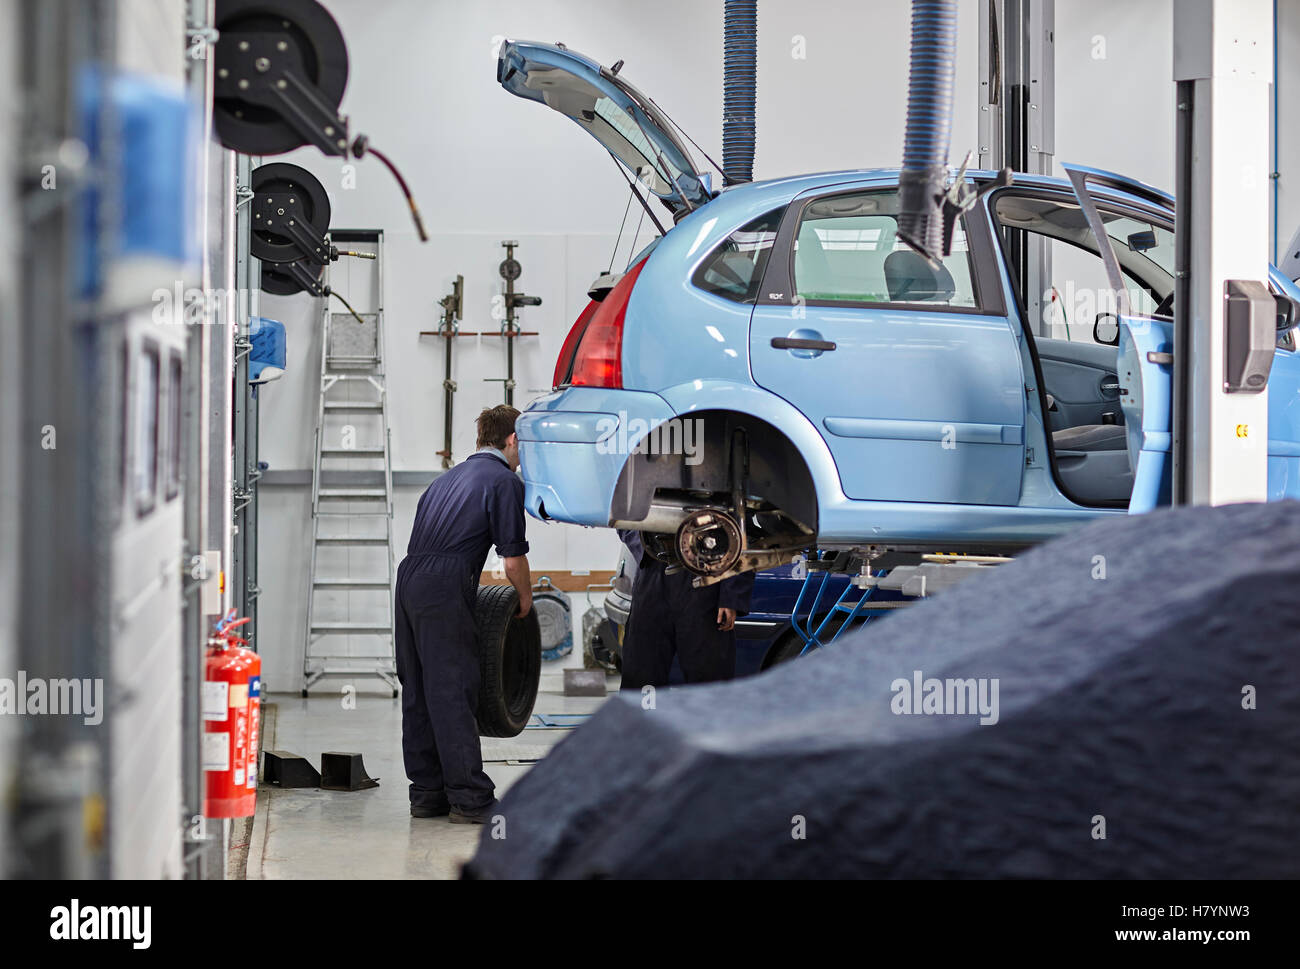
[1288,311]
[1105,329]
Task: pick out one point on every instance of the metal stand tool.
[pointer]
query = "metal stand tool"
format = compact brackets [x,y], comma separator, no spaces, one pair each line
[453,305]
[510,270]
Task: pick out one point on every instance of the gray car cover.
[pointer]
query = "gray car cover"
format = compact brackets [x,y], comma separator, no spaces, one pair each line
[1147,677]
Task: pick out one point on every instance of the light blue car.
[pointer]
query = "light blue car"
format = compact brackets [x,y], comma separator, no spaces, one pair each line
[778,371]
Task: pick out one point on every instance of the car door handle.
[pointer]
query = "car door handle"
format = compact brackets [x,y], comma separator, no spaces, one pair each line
[792,343]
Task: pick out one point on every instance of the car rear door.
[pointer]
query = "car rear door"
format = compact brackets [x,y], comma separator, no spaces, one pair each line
[1144,363]
[911,375]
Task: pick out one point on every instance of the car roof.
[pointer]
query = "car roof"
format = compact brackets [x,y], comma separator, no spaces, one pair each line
[797,184]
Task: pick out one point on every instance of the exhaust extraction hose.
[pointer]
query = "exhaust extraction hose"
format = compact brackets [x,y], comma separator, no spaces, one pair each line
[929,124]
[739,89]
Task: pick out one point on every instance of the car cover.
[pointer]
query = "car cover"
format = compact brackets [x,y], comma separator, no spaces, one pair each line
[1146,725]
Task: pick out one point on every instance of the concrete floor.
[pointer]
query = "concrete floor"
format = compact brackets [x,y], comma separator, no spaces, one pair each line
[309,833]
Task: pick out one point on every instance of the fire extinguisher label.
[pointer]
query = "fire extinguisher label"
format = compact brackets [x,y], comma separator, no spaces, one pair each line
[239,695]
[216,751]
[239,776]
[215,700]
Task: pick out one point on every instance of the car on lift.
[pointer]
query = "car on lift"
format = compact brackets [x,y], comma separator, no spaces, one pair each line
[779,371]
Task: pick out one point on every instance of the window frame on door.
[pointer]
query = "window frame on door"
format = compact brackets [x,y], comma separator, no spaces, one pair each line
[986,280]
[1156,217]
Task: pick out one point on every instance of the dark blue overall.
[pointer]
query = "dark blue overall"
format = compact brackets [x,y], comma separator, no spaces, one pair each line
[671,617]
[466,510]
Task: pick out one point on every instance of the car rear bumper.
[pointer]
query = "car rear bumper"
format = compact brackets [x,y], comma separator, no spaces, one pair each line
[572,447]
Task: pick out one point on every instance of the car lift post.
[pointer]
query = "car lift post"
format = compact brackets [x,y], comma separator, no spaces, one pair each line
[453,305]
[510,271]
[1017,121]
[1222,68]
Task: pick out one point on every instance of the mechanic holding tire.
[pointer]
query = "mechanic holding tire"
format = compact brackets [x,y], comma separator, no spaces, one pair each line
[670,616]
[477,503]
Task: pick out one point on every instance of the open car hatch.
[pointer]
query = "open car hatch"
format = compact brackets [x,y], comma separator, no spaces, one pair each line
[624,121]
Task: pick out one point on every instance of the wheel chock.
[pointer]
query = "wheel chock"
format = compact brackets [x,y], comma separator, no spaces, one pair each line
[341,771]
[285,769]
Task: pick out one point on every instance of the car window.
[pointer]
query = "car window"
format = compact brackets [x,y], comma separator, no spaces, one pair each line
[847,250]
[734,270]
[1078,290]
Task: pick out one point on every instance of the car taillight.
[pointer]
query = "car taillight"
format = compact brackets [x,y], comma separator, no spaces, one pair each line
[570,347]
[599,359]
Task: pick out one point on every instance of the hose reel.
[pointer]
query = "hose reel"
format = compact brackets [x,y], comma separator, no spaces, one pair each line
[290,216]
[280,70]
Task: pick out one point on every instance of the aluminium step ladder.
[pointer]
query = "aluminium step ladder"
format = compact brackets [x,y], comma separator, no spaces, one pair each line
[349,625]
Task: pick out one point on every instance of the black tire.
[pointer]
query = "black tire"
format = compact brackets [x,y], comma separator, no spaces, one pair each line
[788,647]
[510,661]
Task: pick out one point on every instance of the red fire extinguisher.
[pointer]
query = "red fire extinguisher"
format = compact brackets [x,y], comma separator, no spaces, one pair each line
[254,718]
[226,736]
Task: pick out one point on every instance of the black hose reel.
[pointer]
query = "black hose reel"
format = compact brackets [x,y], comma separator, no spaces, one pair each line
[280,70]
[290,216]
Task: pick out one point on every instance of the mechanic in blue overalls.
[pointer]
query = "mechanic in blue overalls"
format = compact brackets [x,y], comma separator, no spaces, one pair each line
[671,617]
[466,510]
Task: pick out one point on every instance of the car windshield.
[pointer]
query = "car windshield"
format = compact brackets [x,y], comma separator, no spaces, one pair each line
[1144,249]
[1050,236]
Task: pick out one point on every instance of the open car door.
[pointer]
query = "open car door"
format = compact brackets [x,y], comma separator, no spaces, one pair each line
[1145,360]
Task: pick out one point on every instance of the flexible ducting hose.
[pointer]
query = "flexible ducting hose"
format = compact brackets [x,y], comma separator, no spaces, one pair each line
[929,124]
[739,89]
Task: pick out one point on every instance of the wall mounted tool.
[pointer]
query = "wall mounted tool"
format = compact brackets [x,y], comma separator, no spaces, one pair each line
[453,305]
[510,270]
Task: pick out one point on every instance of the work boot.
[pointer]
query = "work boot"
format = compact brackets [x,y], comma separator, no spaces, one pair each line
[473,815]
[434,807]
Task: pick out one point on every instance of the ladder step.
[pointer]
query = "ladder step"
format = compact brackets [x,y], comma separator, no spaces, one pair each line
[349,405]
[353,494]
[350,540]
[351,628]
[351,584]
[353,452]
[351,514]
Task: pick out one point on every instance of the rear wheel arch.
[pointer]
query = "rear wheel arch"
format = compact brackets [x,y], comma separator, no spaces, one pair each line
[778,471]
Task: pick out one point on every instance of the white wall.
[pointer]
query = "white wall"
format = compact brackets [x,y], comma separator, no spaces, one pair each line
[1114,87]
[486,167]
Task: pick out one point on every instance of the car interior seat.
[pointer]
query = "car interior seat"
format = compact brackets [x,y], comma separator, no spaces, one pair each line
[813,274]
[912,279]
[1093,462]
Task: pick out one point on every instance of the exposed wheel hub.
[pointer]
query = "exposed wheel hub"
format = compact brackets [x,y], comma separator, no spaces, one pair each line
[708,542]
